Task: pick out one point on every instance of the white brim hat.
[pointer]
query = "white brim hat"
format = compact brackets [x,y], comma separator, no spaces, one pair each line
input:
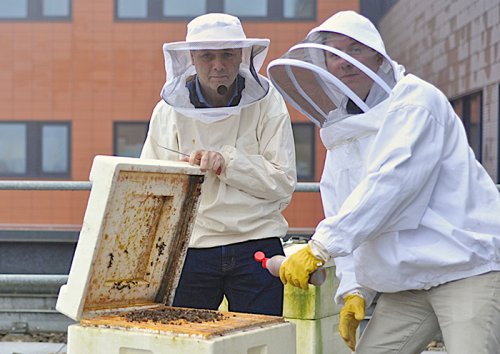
[215,31]
[211,32]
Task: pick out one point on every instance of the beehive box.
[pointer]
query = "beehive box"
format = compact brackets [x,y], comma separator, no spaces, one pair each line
[129,257]
[232,333]
[316,302]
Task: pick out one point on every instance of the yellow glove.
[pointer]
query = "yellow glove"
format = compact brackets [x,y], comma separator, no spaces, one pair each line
[297,268]
[350,316]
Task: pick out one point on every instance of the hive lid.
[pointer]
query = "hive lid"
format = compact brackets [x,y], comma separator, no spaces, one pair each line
[134,236]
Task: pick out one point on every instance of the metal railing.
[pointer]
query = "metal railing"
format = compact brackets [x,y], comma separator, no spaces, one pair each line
[32,285]
[29,299]
[83,185]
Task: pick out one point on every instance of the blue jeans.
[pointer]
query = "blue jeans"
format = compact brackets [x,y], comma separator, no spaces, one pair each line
[211,273]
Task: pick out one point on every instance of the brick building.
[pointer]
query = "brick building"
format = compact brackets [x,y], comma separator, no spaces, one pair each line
[456,46]
[80,78]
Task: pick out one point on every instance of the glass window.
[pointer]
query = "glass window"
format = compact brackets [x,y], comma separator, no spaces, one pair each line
[39,10]
[34,149]
[13,157]
[132,8]
[183,8]
[458,107]
[304,136]
[129,138]
[474,128]
[298,8]
[13,8]
[246,8]
[55,148]
[55,8]
[157,10]
[468,108]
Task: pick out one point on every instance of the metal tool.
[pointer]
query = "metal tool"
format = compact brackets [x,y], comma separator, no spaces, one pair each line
[172,150]
[218,172]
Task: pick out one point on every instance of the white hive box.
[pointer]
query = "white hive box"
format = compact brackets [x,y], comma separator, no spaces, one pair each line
[129,258]
[314,313]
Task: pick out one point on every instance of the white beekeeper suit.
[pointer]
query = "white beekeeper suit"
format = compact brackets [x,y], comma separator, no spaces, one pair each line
[244,202]
[407,205]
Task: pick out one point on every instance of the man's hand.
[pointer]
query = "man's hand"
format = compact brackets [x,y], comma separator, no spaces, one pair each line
[207,160]
[350,316]
[297,268]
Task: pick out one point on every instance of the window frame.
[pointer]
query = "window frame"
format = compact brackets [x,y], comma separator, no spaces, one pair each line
[35,13]
[301,178]
[131,122]
[275,12]
[34,151]
[312,132]
[465,117]
[498,137]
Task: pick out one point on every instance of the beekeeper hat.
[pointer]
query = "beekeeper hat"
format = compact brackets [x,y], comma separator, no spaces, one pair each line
[211,32]
[215,31]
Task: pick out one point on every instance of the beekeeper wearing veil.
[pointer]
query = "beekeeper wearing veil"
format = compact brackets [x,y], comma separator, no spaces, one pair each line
[410,213]
[231,122]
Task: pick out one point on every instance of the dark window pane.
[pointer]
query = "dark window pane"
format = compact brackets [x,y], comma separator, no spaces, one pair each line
[246,8]
[132,8]
[298,8]
[13,8]
[304,150]
[129,138]
[183,8]
[458,107]
[55,8]
[475,124]
[55,149]
[468,108]
[12,148]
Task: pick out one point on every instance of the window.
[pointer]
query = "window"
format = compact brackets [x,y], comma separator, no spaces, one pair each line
[128,138]
[305,147]
[185,8]
[299,9]
[132,9]
[270,10]
[468,108]
[55,8]
[13,9]
[44,10]
[245,8]
[35,149]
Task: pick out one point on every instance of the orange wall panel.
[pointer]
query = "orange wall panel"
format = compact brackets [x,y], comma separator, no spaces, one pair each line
[93,71]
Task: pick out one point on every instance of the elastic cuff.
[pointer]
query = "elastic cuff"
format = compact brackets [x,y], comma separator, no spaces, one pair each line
[356,292]
[227,151]
[319,251]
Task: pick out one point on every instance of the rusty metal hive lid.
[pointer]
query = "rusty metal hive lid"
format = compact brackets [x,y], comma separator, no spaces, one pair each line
[134,236]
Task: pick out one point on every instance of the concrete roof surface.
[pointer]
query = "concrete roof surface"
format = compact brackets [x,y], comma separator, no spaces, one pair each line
[32,348]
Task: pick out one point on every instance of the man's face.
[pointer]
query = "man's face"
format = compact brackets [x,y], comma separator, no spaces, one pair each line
[216,67]
[349,74]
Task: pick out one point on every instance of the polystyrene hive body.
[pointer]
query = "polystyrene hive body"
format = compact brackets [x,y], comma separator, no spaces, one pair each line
[129,257]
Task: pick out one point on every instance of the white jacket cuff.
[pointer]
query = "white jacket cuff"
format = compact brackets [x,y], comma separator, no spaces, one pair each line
[365,293]
[319,251]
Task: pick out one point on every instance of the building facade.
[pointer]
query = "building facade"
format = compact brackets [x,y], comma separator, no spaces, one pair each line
[79,78]
[456,46]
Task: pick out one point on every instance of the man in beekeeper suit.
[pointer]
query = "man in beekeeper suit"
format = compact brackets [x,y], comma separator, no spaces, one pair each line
[410,213]
[231,122]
